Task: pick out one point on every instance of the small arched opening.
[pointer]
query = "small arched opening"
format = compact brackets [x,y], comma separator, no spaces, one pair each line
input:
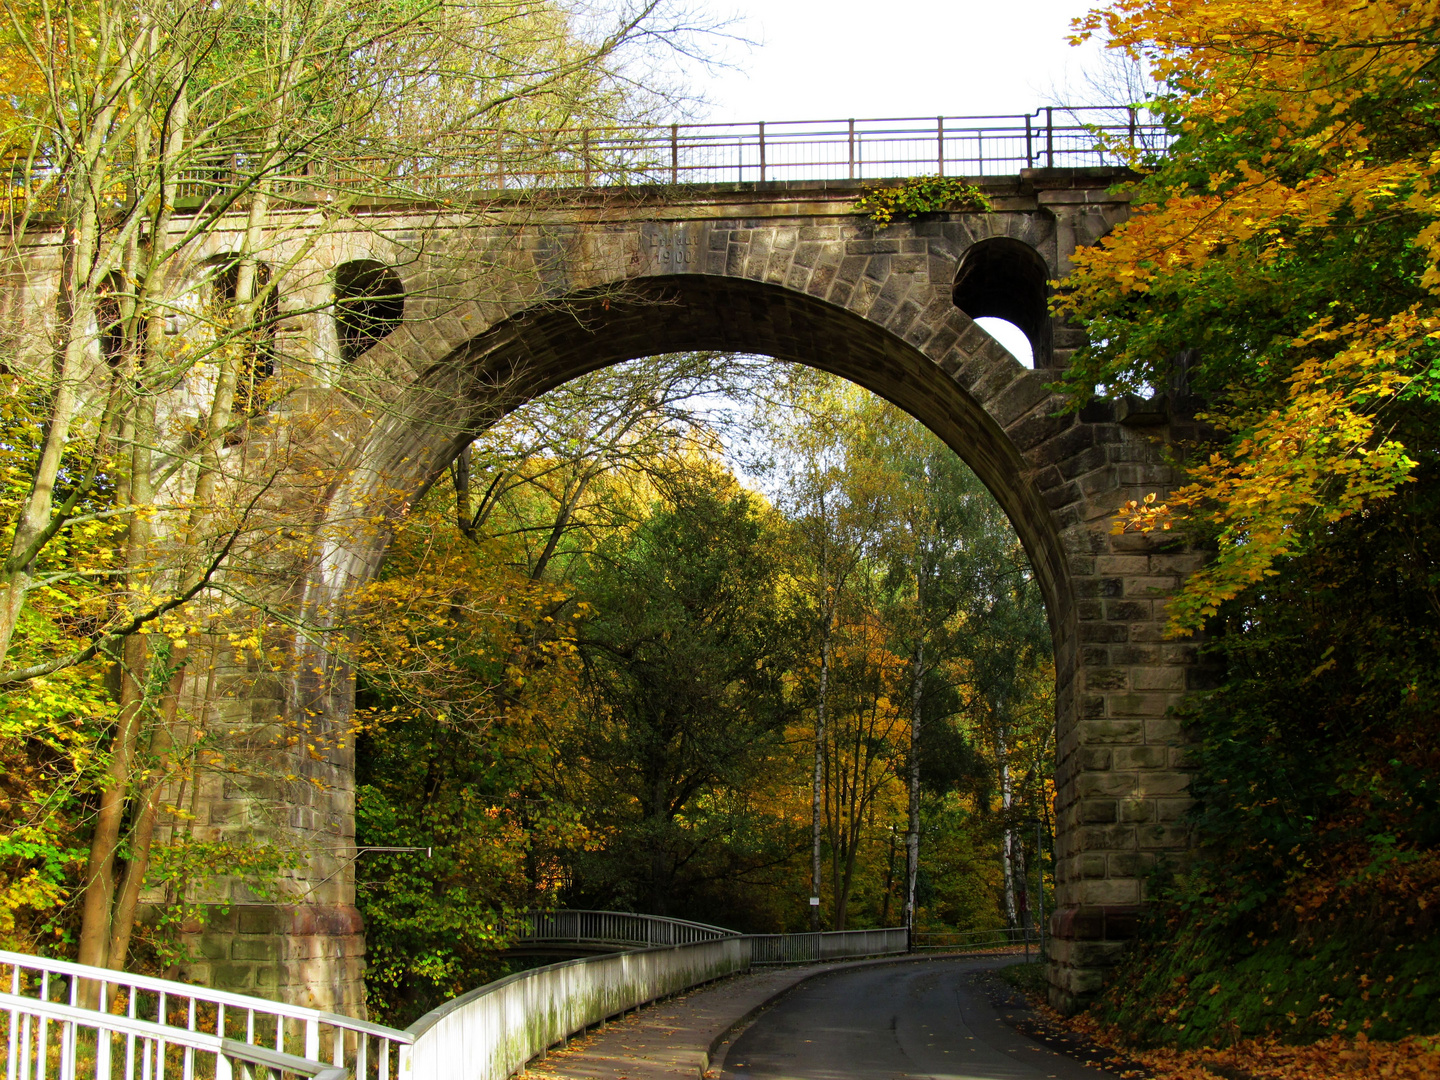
[1006,279]
[252,335]
[369,304]
[110,318]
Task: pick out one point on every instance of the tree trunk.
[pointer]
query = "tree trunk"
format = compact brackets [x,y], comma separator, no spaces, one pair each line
[1007,844]
[98,884]
[818,777]
[122,924]
[912,834]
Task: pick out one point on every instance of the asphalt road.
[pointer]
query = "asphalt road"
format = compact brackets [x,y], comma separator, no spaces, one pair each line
[887,1022]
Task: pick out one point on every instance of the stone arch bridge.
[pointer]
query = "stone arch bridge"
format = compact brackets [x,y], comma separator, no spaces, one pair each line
[508,300]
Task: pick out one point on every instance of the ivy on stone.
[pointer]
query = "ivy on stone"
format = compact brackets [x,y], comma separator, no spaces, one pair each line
[920,195]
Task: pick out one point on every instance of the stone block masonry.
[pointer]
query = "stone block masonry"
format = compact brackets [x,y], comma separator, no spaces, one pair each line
[511,297]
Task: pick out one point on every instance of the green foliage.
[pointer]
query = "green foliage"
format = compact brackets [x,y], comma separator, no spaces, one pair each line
[432,922]
[1197,984]
[920,195]
[686,661]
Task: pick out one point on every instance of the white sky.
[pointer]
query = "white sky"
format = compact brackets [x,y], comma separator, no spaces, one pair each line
[886,58]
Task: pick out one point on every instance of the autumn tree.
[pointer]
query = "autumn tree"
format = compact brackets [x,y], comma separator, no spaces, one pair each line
[836,505]
[686,658]
[135,498]
[1279,276]
[1285,249]
[897,532]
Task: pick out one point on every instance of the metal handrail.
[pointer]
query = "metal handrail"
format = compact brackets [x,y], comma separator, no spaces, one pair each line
[767,150]
[636,930]
[608,927]
[354,1045]
[967,940]
[818,945]
[849,149]
[145,1043]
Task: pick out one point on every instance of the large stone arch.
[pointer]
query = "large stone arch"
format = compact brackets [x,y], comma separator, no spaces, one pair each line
[789,271]
[537,350]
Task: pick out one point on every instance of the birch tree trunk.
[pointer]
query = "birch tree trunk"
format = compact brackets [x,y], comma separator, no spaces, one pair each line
[912,834]
[1007,843]
[827,627]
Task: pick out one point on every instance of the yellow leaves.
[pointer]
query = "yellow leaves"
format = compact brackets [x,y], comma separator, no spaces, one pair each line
[1143,516]
[1279,163]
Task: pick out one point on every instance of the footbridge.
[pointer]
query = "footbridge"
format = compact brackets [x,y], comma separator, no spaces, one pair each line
[69,1021]
[448,295]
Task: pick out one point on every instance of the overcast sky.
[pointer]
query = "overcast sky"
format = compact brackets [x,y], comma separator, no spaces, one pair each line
[886,58]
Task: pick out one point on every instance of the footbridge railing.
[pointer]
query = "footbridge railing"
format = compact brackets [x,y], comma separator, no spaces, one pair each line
[778,150]
[477,162]
[827,945]
[607,928]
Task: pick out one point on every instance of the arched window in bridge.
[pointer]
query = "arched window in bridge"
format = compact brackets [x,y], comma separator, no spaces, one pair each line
[253,345]
[369,304]
[109,316]
[1006,279]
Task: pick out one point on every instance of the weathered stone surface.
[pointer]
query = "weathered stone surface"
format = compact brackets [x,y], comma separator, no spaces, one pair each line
[510,299]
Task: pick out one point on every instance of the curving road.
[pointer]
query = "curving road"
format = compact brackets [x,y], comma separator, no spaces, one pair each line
[908,1021]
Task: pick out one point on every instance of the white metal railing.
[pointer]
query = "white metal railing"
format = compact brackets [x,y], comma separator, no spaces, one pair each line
[827,945]
[608,928]
[143,1028]
[614,928]
[974,940]
[179,1019]
[46,1038]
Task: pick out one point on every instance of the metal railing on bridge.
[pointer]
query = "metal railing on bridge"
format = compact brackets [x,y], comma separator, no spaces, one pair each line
[617,928]
[626,929]
[475,162]
[827,945]
[142,1028]
[787,150]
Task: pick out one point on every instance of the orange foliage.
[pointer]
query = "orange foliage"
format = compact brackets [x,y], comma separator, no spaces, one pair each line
[1300,122]
[1269,1059]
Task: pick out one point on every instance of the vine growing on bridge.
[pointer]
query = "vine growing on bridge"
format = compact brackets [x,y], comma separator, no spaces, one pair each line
[921,195]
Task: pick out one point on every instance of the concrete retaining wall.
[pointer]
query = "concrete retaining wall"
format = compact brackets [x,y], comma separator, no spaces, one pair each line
[491,1032]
